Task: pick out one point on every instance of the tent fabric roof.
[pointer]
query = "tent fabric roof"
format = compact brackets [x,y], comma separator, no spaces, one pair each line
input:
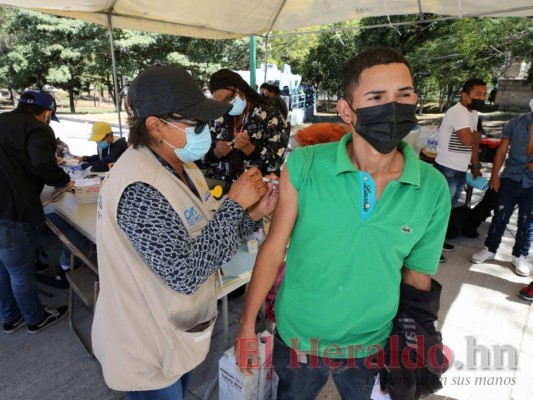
[225,19]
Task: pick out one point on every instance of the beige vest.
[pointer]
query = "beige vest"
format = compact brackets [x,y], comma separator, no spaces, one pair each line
[145,335]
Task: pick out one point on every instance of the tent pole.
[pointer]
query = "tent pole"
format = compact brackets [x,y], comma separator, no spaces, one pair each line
[252,62]
[266,56]
[115,81]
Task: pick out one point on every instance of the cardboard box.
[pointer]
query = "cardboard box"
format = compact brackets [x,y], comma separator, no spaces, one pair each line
[232,384]
[87,190]
[264,350]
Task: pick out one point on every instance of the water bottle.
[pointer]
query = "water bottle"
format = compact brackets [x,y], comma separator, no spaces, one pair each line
[75,172]
[432,145]
[435,144]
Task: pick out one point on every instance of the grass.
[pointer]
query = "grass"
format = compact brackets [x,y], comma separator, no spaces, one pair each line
[84,104]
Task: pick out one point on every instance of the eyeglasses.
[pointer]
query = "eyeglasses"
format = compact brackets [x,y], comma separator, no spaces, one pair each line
[230,97]
[199,126]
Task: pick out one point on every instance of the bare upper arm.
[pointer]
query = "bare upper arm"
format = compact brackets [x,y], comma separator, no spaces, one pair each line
[466,136]
[416,279]
[284,215]
[504,145]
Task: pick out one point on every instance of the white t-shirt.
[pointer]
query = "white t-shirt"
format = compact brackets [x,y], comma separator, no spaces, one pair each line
[451,152]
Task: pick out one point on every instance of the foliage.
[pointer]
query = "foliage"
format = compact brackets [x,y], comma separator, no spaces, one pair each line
[292,49]
[472,47]
[39,49]
[442,53]
[324,63]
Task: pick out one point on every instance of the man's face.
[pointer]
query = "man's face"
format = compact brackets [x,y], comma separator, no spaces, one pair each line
[382,84]
[477,92]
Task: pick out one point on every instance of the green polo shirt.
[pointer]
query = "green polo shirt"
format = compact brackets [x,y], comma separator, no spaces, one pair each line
[342,279]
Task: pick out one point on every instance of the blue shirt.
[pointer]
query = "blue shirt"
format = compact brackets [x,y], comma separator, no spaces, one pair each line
[517,131]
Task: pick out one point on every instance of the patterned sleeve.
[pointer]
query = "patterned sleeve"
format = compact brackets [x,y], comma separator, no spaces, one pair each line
[249,226]
[270,137]
[156,231]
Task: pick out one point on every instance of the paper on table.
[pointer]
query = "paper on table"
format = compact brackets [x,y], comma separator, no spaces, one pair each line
[479,183]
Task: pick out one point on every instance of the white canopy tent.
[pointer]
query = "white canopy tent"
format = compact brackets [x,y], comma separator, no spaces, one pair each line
[226,19]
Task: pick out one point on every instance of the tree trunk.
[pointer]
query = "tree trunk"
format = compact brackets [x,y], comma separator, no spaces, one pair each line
[441,91]
[111,92]
[421,110]
[12,95]
[71,100]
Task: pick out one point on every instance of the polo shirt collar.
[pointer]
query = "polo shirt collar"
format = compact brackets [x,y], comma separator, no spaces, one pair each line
[411,168]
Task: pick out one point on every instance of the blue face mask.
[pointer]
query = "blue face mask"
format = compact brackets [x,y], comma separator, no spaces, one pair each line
[102,145]
[198,144]
[238,106]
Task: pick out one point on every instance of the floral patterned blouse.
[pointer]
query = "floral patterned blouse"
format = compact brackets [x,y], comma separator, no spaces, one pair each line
[268,132]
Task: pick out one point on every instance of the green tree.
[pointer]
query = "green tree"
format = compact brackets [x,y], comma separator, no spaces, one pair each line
[292,49]
[324,63]
[46,50]
[472,47]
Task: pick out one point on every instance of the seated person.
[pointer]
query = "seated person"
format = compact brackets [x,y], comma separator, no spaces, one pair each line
[109,148]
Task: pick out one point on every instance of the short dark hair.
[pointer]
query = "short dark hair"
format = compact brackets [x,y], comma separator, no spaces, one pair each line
[274,89]
[367,59]
[139,135]
[30,108]
[469,84]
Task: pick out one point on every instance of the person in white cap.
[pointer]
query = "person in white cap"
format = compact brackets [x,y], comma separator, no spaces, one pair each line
[161,237]
[109,148]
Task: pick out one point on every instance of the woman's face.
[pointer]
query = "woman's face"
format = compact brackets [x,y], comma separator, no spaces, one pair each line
[227,95]
[169,132]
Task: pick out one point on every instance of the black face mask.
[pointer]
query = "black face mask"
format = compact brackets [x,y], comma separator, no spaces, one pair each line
[477,104]
[385,126]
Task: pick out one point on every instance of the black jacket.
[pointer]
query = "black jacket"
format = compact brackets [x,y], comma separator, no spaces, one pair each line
[27,163]
[109,155]
[415,341]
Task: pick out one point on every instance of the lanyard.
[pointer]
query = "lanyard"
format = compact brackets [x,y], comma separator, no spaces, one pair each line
[244,121]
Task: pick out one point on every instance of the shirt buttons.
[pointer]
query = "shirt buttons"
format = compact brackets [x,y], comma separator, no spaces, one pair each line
[367,206]
[365,178]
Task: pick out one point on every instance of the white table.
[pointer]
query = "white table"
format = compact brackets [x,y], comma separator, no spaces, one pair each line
[81,216]
[236,273]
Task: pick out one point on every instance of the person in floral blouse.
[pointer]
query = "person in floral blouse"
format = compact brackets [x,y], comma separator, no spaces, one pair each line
[251,133]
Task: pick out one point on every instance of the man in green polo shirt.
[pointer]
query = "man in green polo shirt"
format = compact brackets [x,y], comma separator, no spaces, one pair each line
[362,216]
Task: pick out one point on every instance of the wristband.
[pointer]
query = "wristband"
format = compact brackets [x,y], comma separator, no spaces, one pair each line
[476,165]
